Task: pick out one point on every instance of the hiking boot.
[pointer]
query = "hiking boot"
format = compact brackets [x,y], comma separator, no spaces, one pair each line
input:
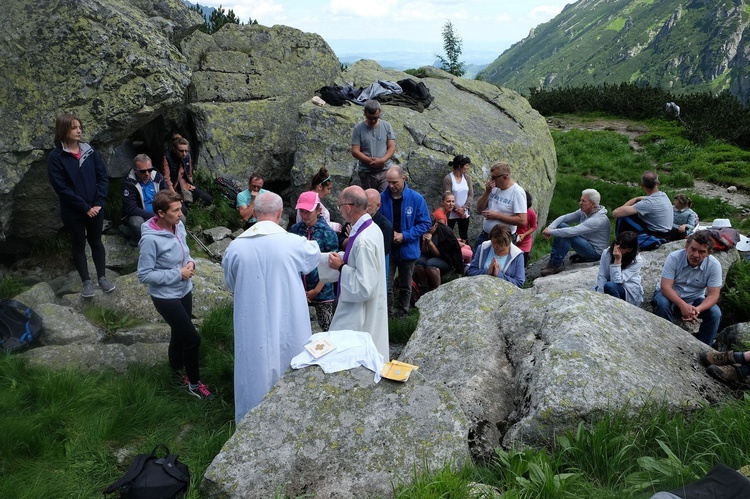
[201,391]
[88,289]
[551,269]
[106,286]
[716,358]
[576,258]
[729,374]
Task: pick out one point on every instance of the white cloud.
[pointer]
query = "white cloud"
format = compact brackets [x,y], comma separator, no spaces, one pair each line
[349,8]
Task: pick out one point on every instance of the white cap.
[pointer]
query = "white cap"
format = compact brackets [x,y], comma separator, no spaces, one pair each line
[721,223]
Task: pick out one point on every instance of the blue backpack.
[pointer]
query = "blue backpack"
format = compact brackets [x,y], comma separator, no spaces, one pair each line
[19,326]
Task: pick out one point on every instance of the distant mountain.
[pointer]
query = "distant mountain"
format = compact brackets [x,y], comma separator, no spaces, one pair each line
[206,10]
[678,45]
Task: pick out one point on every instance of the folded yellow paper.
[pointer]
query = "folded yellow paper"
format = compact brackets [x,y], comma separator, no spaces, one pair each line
[397,371]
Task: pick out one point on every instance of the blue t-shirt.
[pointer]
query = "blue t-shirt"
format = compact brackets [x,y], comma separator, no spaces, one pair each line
[149,191]
[492,256]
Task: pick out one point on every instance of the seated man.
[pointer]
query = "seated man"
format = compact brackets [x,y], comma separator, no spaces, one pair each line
[138,191]
[588,239]
[177,169]
[650,214]
[691,281]
[246,199]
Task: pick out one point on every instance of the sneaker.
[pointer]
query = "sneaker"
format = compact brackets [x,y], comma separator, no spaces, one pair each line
[716,358]
[106,286]
[88,289]
[179,379]
[730,374]
[201,391]
[551,269]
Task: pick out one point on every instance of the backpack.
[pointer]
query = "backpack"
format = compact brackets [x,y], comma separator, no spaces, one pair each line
[333,95]
[19,326]
[725,238]
[229,188]
[152,477]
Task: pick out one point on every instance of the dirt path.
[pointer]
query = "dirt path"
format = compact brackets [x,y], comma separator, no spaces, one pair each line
[632,130]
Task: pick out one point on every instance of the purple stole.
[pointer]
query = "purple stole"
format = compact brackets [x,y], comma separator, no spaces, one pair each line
[349,245]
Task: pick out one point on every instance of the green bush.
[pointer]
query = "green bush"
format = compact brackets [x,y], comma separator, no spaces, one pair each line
[735,296]
[10,287]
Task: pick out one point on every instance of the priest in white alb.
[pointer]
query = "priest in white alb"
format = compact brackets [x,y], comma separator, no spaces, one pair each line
[363,300]
[271,316]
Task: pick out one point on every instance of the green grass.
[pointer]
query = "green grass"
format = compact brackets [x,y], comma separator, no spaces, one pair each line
[11,287]
[110,320]
[62,430]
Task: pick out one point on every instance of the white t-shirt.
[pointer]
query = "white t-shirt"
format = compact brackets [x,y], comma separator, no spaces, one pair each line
[509,202]
[461,192]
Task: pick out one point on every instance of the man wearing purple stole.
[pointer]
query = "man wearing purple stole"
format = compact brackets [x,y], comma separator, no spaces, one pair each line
[363,302]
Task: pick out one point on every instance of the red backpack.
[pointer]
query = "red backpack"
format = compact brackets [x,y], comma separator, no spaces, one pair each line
[725,238]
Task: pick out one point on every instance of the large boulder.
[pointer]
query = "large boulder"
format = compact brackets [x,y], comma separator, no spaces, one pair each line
[486,123]
[248,82]
[339,436]
[65,326]
[115,64]
[97,357]
[526,366]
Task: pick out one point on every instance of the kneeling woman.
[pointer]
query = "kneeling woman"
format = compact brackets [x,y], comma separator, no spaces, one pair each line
[165,265]
[620,270]
[440,252]
[499,257]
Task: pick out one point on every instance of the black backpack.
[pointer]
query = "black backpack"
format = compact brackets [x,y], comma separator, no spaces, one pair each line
[333,95]
[19,326]
[151,477]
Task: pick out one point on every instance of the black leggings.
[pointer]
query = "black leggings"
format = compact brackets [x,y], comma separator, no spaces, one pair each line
[463,227]
[82,230]
[184,344]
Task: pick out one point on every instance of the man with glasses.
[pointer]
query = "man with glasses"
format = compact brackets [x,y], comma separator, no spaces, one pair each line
[138,191]
[503,202]
[373,145]
[177,169]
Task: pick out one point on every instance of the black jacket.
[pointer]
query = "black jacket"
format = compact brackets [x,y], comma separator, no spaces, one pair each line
[80,183]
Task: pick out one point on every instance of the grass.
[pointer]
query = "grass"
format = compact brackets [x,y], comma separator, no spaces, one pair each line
[109,320]
[72,425]
[11,287]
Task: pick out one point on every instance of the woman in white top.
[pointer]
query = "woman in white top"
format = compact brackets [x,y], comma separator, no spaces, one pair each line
[459,183]
[620,270]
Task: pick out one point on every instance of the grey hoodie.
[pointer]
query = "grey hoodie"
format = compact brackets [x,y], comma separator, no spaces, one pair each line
[162,256]
[594,228]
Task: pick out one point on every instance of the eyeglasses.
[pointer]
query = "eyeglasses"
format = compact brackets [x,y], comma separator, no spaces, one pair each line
[372,118]
[145,170]
[183,151]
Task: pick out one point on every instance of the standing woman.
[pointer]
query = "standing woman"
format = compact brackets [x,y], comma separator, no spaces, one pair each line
[79,177]
[459,183]
[165,265]
[321,184]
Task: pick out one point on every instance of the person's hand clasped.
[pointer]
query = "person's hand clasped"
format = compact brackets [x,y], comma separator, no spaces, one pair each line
[93,211]
[187,271]
[335,261]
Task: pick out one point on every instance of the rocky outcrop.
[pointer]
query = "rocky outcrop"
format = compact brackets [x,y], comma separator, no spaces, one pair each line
[115,64]
[486,123]
[542,363]
[339,436]
[248,82]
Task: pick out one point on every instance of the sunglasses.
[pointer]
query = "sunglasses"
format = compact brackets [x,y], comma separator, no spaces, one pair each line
[145,170]
[372,118]
[498,176]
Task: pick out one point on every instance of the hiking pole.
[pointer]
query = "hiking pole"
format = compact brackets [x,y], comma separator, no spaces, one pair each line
[203,246]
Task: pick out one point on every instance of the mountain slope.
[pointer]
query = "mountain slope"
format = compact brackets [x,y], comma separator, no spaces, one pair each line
[682,46]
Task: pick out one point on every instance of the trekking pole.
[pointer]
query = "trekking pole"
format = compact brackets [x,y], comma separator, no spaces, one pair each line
[203,246]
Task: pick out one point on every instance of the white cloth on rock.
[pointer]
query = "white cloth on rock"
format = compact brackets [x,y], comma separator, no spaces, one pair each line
[353,349]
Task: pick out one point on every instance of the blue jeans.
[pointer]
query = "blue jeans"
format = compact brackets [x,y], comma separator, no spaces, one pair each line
[711,317]
[581,246]
[614,289]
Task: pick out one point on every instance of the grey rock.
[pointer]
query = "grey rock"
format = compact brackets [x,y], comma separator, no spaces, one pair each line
[125,70]
[339,436]
[487,123]
[96,357]
[146,333]
[732,189]
[248,82]
[121,160]
[119,254]
[71,283]
[36,295]
[219,247]
[237,233]
[735,337]
[65,326]
[217,233]
[555,359]
[131,297]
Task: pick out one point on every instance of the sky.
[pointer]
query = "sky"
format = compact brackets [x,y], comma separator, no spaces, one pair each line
[351,25]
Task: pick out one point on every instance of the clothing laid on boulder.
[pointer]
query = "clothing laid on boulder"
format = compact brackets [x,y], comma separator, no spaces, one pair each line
[404,93]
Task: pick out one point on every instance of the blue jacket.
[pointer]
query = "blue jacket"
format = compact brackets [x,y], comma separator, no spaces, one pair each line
[415,220]
[80,183]
[162,255]
[513,272]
